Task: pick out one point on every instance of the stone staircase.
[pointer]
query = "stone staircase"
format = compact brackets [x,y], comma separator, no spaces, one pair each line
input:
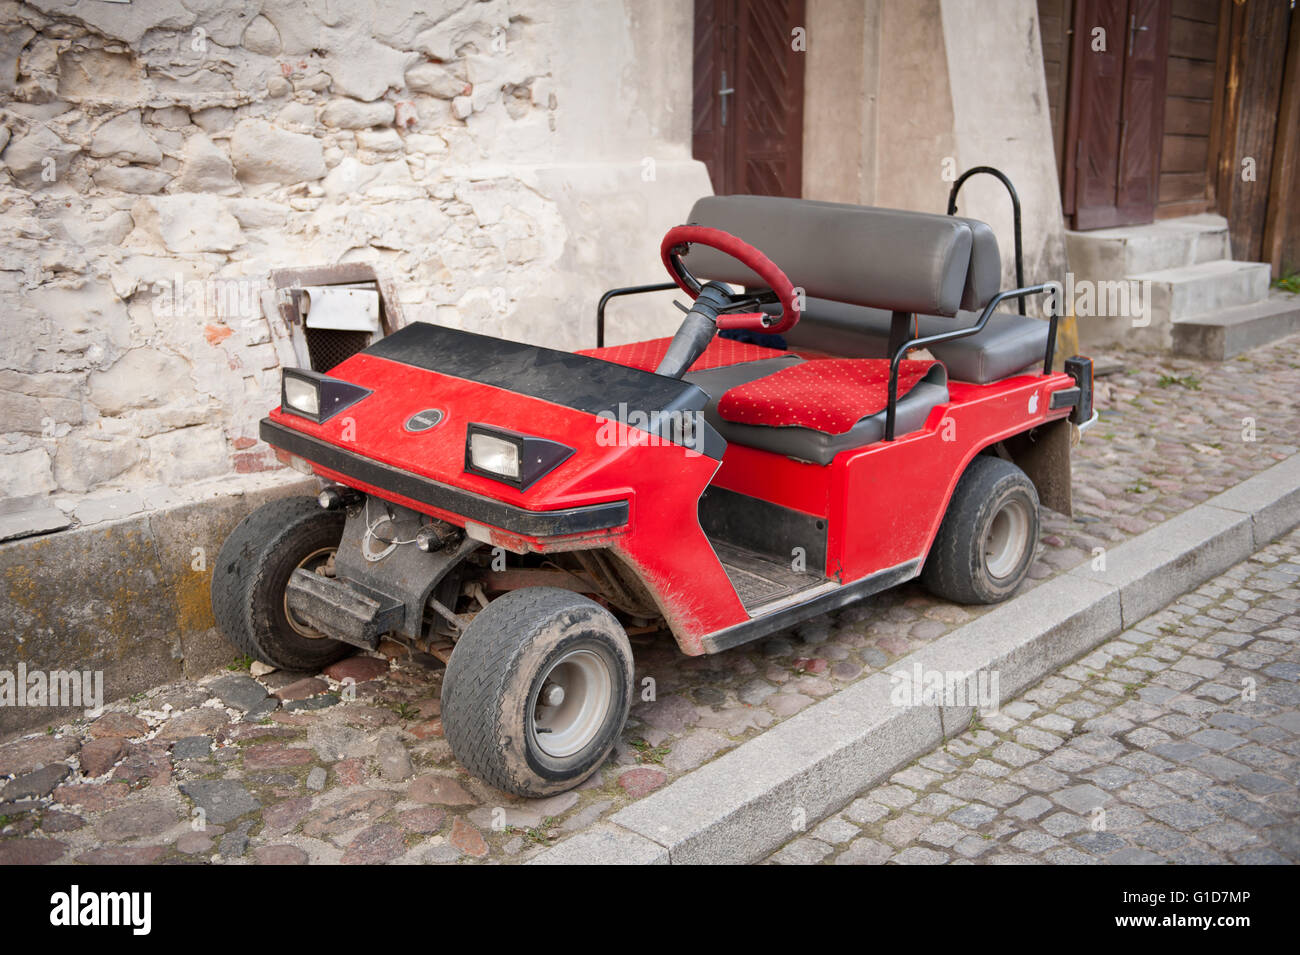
[1186,293]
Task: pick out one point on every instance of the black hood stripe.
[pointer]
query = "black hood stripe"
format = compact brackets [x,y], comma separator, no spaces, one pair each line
[562,378]
[580,382]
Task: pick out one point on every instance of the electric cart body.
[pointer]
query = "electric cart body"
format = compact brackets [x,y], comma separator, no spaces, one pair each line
[515,509]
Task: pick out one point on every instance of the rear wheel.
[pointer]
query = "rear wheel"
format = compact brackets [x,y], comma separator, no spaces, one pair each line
[253,569]
[537,691]
[987,539]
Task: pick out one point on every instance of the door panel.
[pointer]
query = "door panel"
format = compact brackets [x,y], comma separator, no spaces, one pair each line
[769,98]
[1100,78]
[1255,85]
[1143,116]
[708,138]
[1117,111]
[748,95]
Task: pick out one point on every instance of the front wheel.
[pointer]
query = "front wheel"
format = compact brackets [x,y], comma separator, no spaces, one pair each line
[986,541]
[253,570]
[537,691]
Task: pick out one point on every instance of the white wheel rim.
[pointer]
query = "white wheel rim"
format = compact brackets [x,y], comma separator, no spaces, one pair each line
[1006,540]
[585,688]
[310,562]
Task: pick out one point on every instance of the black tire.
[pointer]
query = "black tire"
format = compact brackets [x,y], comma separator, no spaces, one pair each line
[490,692]
[966,553]
[250,577]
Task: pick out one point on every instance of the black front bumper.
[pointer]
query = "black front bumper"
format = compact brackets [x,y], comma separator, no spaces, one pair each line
[454,500]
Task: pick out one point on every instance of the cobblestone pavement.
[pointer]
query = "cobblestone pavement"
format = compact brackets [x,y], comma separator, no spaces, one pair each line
[305,774]
[1178,741]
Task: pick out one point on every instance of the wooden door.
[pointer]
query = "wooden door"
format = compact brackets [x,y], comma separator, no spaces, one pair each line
[748,95]
[1116,111]
[1194,88]
[1055,28]
[1254,144]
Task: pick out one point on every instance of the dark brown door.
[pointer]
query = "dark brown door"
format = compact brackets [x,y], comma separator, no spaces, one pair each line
[1257,132]
[1116,111]
[748,110]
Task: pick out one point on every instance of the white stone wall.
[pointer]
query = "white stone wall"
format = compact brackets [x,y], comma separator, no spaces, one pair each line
[503,162]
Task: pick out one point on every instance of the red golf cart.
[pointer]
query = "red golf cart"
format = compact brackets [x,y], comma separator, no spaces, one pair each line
[515,509]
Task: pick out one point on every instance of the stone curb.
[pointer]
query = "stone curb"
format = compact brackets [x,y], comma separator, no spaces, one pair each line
[745,804]
[123,597]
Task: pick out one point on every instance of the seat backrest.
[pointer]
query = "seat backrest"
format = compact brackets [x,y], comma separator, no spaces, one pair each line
[860,255]
[984,278]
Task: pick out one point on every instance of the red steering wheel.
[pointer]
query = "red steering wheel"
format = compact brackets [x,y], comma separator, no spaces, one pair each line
[679,240]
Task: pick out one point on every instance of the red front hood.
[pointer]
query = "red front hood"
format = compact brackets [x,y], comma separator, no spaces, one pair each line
[608,463]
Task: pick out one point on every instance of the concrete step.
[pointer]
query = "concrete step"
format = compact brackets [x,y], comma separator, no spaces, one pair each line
[1202,288]
[1231,331]
[1117,253]
[1143,316]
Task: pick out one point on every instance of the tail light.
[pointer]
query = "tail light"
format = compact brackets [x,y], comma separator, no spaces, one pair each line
[1080,369]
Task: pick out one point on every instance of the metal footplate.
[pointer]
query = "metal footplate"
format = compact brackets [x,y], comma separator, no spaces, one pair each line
[340,610]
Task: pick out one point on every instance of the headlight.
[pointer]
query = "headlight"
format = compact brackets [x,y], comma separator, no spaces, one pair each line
[302,395]
[311,395]
[518,459]
[487,452]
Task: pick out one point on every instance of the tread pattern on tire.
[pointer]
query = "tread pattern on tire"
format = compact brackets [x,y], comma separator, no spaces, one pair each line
[485,658]
[947,570]
[241,568]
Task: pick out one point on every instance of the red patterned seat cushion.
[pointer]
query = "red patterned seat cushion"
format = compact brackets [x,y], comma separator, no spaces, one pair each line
[827,395]
[648,355]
